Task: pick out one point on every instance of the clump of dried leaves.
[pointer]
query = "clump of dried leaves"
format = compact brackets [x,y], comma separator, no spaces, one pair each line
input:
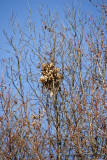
[51,77]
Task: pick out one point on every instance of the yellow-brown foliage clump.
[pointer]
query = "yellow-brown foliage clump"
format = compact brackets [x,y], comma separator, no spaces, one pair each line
[51,78]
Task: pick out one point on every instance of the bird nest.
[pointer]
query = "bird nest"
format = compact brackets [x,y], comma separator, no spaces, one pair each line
[51,77]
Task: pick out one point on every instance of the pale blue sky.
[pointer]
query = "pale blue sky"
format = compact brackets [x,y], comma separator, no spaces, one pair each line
[20,8]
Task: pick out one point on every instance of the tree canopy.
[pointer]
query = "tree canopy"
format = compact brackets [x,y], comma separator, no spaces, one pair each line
[53,88]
